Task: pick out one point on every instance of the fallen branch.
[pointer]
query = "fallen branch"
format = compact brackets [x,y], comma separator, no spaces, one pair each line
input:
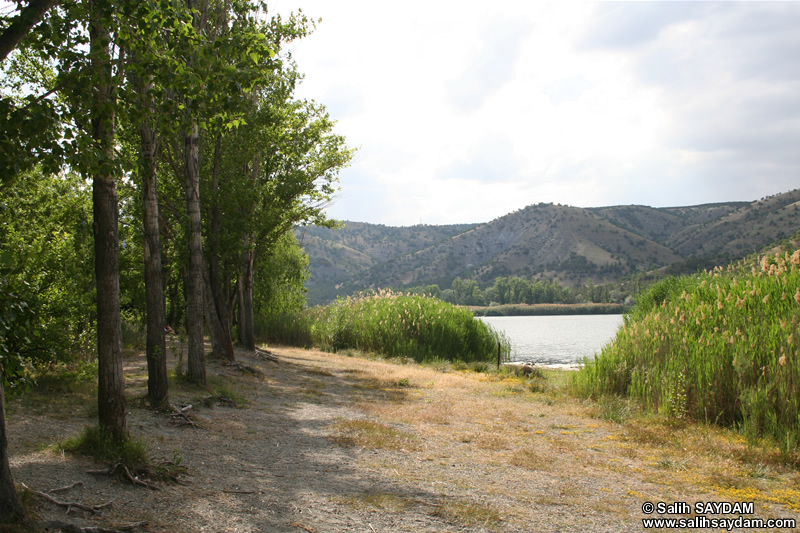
[180,416]
[93,509]
[243,367]
[269,356]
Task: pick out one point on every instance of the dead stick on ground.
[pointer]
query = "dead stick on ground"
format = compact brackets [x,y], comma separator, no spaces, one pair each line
[94,509]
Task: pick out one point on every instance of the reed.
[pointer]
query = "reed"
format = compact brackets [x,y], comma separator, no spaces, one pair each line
[722,346]
[395,324]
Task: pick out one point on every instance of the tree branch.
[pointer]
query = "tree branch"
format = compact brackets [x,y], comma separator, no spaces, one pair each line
[22,24]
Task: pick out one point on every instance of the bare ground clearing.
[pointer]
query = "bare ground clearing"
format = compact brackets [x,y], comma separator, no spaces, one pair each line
[329,443]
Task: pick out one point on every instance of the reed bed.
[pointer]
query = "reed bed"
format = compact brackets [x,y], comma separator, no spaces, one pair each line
[395,324]
[721,347]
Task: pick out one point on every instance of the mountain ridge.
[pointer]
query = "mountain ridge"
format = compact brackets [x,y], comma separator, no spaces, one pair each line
[543,241]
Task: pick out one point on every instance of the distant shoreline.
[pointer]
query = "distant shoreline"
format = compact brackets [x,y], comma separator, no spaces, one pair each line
[548,309]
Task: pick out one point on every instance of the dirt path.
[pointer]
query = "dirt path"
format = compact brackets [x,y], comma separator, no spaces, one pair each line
[329,443]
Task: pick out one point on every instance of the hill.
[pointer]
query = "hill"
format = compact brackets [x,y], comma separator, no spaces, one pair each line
[570,244]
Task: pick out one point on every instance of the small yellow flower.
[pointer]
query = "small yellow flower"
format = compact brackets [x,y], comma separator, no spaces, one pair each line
[782,360]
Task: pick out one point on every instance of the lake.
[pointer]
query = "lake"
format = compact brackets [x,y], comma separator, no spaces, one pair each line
[556,340]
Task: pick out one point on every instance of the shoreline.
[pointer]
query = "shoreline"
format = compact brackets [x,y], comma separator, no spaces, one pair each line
[548,309]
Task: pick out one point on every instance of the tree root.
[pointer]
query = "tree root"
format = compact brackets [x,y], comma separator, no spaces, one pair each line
[93,509]
[123,471]
[74,506]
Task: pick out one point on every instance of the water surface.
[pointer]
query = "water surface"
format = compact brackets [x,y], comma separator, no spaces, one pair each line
[556,340]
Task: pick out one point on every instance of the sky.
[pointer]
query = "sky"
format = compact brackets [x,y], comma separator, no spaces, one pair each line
[463,111]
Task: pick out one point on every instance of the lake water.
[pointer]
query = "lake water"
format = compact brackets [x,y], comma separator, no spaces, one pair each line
[556,340]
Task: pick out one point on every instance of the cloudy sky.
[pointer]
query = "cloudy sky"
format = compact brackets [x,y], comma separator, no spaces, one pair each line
[466,110]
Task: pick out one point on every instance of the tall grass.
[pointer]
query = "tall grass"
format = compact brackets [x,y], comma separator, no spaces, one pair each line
[395,325]
[722,346]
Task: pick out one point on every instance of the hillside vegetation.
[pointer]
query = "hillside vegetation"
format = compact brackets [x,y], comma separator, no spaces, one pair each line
[722,346]
[545,241]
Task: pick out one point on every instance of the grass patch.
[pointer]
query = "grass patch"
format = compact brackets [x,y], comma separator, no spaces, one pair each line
[469,514]
[367,434]
[218,390]
[98,443]
[63,390]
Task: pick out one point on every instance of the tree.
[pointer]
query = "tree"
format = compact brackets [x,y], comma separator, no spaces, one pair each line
[12,312]
[156,348]
[111,383]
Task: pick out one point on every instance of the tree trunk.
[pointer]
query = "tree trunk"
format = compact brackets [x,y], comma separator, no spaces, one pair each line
[156,346]
[219,323]
[247,335]
[220,340]
[11,509]
[111,384]
[196,366]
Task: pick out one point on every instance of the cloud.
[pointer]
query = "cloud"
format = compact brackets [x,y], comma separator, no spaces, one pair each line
[625,25]
[491,62]
[343,101]
[567,89]
[490,160]
[465,111]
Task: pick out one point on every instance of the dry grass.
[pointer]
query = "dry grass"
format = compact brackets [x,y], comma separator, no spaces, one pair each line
[598,456]
[368,434]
